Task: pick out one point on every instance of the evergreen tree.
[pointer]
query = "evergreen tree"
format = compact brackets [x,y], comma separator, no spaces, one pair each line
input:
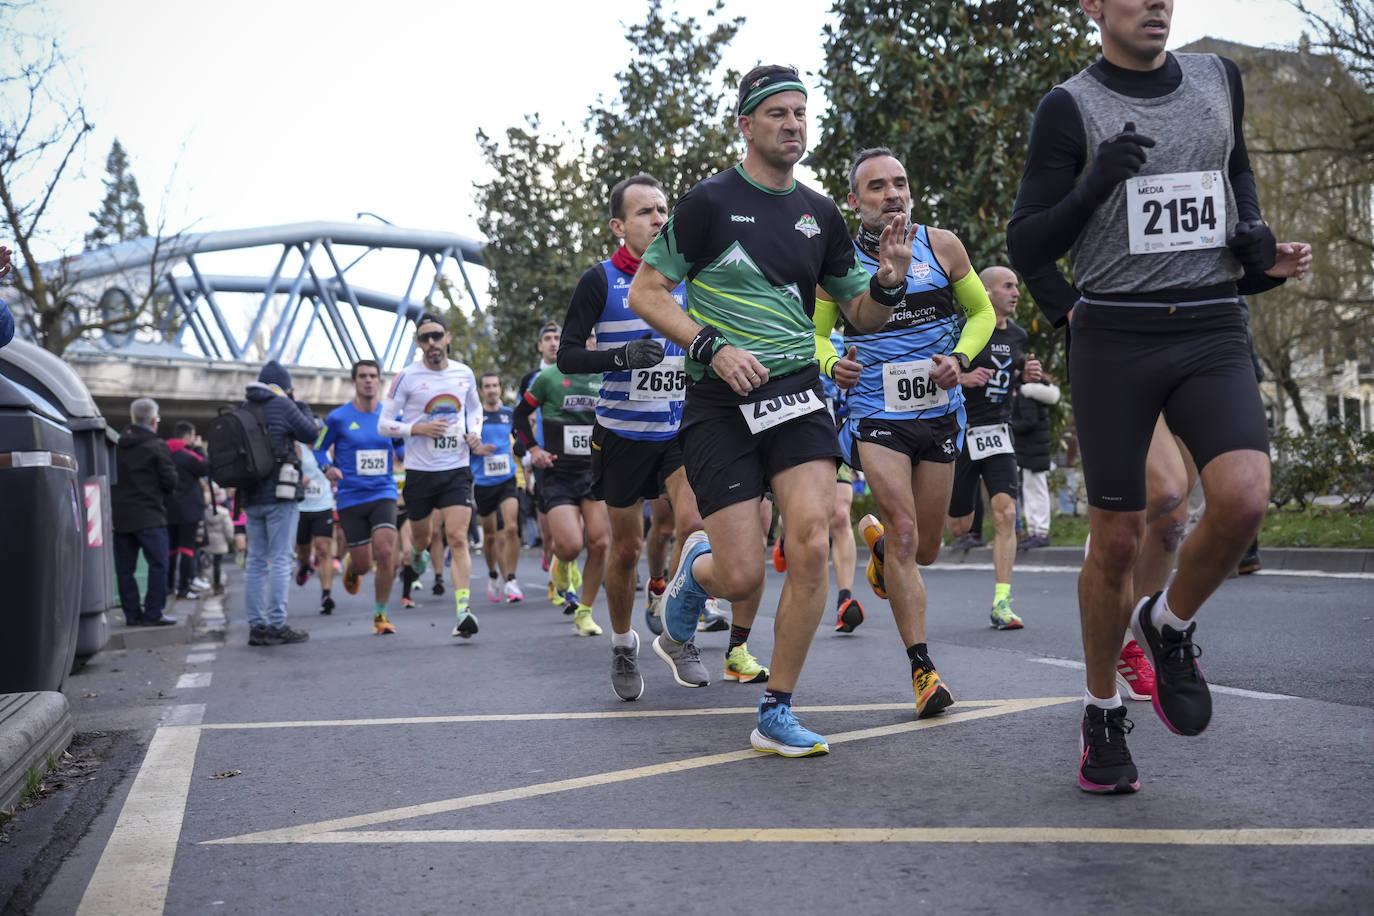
[120,217]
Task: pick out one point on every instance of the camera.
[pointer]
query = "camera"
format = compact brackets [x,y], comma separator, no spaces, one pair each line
[288,475]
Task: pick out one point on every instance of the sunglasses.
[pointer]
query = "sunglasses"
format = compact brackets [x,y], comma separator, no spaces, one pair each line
[431,337]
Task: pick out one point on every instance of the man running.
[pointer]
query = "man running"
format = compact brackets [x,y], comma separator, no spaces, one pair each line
[493,478]
[550,336]
[988,454]
[754,245]
[360,460]
[906,409]
[440,395]
[577,517]
[315,528]
[1137,169]
[635,450]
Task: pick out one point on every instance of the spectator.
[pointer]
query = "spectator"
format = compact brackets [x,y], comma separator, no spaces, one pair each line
[144,478]
[6,319]
[219,535]
[186,509]
[272,509]
[1030,424]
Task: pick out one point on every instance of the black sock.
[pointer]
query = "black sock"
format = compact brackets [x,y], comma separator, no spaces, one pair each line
[492,574]
[510,577]
[845,595]
[777,698]
[738,637]
[920,657]
[324,593]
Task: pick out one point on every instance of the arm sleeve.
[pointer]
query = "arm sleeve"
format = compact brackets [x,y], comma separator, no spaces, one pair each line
[472,407]
[1052,207]
[1053,295]
[521,428]
[982,320]
[1044,392]
[327,437]
[824,318]
[584,309]
[387,424]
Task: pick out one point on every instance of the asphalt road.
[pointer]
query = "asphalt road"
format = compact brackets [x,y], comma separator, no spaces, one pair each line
[418,773]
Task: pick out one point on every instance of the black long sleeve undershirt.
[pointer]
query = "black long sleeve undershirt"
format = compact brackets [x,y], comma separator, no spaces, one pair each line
[1052,209]
[584,310]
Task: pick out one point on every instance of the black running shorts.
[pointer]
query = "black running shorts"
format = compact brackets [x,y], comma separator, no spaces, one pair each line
[489,499]
[935,439]
[1129,363]
[997,471]
[359,521]
[563,489]
[314,525]
[430,490]
[625,471]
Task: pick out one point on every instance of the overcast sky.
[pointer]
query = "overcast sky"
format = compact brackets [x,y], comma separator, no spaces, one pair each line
[260,112]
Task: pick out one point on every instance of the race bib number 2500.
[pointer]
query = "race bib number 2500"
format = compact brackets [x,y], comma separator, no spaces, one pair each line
[761,415]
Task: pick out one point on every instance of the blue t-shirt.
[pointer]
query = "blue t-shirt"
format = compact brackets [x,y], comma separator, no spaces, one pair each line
[363,454]
[499,466]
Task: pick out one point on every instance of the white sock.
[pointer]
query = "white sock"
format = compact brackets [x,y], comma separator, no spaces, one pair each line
[1090,700]
[624,640]
[1161,614]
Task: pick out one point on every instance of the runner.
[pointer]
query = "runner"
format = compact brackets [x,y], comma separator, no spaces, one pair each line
[550,336]
[567,404]
[906,409]
[493,477]
[635,449]
[315,528]
[754,245]
[360,461]
[988,454]
[442,393]
[1137,169]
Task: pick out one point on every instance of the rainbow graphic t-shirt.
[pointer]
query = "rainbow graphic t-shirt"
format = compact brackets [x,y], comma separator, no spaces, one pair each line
[418,394]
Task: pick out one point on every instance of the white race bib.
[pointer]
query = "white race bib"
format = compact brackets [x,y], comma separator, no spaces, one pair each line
[986,441]
[314,488]
[446,444]
[907,387]
[1180,211]
[665,382]
[577,440]
[371,462]
[496,465]
[762,415]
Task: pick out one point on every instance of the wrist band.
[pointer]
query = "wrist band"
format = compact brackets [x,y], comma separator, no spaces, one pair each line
[887,298]
[703,346]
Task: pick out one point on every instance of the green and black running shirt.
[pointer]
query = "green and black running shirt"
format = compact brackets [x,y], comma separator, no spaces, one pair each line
[752,258]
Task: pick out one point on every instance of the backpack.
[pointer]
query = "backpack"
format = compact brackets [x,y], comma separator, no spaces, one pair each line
[240,446]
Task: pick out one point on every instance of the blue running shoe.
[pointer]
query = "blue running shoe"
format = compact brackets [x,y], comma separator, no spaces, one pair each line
[686,598]
[780,732]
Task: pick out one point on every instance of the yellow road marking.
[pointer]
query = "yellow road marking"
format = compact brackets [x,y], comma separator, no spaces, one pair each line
[311,833]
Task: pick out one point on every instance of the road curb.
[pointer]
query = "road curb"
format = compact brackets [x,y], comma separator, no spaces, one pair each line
[35,728]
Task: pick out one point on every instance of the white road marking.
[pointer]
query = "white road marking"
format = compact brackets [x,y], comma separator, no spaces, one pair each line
[205,647]
[200,658]
[133,872]
[194,679]
[185,714]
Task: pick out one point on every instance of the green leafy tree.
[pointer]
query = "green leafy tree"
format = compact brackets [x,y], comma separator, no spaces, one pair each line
[671,117]
[120,217]
[950,86]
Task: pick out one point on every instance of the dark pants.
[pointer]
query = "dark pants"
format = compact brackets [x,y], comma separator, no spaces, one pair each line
[181,559]
[153,543]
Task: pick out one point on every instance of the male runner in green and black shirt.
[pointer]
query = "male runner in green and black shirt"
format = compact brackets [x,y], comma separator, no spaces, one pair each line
[753,245]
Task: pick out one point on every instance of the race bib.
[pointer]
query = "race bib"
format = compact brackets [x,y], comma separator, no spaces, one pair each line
[665,382]
[314,488]
[371,462]
[762,415]
[577,440]
[907,387]
[446,444]
[986,441]
[1180,211]
[496,465]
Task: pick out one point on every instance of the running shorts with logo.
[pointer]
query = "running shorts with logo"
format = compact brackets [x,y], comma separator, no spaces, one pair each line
[429,490]
[625,471]
[361,519]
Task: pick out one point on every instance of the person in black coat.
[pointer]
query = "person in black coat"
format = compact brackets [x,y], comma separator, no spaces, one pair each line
[144,478]
[186,508]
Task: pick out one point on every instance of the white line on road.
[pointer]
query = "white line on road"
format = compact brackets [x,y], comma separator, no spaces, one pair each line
[205,647]
[185,714]
[200,658]
[195,679]
[133,872]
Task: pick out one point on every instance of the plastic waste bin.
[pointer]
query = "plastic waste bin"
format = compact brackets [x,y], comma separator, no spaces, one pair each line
[40,542]
[55,381]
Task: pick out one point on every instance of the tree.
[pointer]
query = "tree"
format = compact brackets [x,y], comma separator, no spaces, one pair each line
[120,217]
[544,211]
[670,118]
[950,87]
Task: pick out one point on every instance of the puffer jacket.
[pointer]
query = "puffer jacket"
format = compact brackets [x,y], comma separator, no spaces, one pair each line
[289,422]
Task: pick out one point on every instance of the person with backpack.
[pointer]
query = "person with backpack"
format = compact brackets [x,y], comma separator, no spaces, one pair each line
[271,503]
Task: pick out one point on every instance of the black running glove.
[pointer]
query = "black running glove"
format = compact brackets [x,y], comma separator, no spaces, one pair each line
[1118,158]
[1254,246]
[639,354]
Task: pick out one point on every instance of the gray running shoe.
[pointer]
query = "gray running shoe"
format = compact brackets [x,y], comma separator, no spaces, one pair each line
[626,680]
[684,659]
